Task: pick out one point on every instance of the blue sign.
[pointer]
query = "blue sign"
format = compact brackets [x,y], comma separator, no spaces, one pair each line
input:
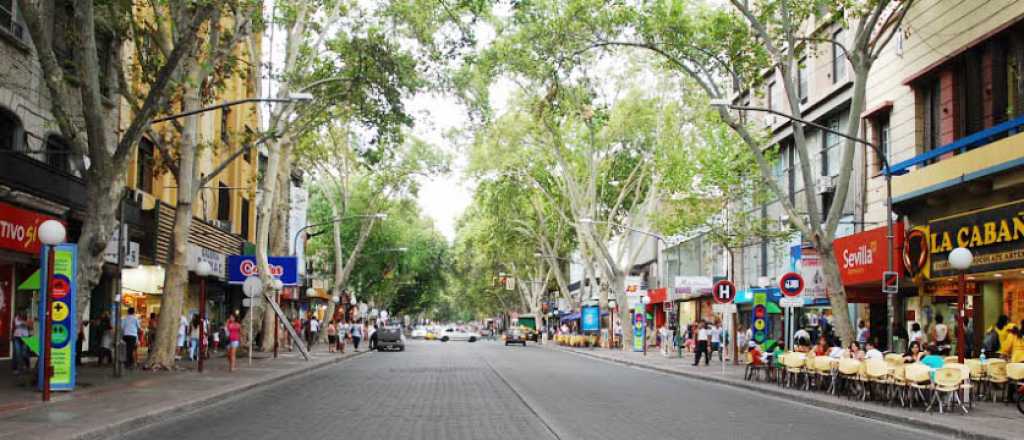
[591,317]
[62,290]
[241,267]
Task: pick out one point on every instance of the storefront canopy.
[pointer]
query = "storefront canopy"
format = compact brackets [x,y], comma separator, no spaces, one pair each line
[30,283]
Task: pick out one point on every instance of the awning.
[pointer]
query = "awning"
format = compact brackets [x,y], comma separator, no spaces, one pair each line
[658,295]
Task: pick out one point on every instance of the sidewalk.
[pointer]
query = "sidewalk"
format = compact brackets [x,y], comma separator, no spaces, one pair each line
[986,420]
[103,406]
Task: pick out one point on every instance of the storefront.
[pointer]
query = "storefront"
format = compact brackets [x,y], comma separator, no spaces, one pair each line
[19,260]
[863,259]
[656,309]
[691,299]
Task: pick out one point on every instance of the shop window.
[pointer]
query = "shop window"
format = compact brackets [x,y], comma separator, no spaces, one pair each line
[223,203]
[12,135]
[932,114]
[58,153]
[802,72]
[879,126]
[838,56]
[144,164]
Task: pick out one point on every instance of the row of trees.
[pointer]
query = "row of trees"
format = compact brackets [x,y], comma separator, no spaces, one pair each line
[592,152]
[360,60]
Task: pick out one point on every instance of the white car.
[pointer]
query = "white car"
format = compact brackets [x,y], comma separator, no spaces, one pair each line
[457,334]
[419,332]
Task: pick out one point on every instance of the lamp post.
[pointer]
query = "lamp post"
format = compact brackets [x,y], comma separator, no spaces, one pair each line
[278,285]
[203,270]
[295,241]
[613,307]
[961,259]
[890,238]
[51,233]
[644,299]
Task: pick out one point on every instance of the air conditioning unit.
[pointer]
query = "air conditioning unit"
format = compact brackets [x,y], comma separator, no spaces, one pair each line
[223,225]
[826,184]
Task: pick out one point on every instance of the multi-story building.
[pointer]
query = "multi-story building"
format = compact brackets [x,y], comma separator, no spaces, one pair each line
[948,107]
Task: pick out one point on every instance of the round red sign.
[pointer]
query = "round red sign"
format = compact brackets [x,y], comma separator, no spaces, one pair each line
[59,287]
[791,284]
[723,292]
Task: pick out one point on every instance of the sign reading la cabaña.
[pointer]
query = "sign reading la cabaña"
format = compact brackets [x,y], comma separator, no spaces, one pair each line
[994,236]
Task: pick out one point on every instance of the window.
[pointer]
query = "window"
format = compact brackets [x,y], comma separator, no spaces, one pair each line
[838,57]
[250,136]
[830,149]
[57,153]
[798,177]
[10,23]
[144,163]
[880,137]
[12,136]
[223,202]
[969,94]
[802,72]
[245,218]
[932,115]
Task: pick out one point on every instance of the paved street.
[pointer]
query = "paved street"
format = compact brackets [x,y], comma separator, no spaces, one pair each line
[487,391]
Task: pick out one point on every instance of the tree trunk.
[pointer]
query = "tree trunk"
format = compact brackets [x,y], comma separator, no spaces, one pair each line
[104,190]
[837,295]
[279,238]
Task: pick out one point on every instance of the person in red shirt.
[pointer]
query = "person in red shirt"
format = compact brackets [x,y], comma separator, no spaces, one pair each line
[755,354]
[234,339]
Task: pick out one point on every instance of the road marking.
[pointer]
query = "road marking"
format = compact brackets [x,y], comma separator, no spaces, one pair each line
[521,398]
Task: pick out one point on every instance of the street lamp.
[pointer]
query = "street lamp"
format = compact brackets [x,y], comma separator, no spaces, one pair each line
[295,241]
[203,270]
[961,259]
[51,233]
[890,238]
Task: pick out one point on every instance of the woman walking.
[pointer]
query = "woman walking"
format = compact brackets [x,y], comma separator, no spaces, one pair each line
[357,335]
[234,339]
[332,337]
[193,339]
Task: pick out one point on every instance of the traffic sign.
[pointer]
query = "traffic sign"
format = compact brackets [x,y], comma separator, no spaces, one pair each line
[723,292]
[890,282]
[788,302]
[791,284]
[724,308]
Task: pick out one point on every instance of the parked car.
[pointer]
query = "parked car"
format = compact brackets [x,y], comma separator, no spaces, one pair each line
[515,336]
[457,334]
[419,332]
[390,338]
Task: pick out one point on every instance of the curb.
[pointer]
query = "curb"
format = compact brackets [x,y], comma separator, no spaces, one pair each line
[812,399]
[123,427]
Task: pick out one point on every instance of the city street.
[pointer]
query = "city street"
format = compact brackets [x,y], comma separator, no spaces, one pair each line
[484,390]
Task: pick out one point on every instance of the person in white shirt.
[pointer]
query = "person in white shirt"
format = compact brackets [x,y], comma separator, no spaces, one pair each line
[703,336]
[182,332]
[716,340]
[872,352]
[130,335]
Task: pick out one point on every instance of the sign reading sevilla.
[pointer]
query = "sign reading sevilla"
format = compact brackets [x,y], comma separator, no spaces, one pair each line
[19,229]
[864,257]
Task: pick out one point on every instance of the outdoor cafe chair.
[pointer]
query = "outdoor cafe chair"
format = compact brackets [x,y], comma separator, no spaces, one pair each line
[996,377]
[966,387]
[948,382]
[752,371]
[849,373]
[950,360]
[794,368]
[876,375]
[823,371]
[977,375]
[899,386]
[1015,373]
[918,381]
[894,359]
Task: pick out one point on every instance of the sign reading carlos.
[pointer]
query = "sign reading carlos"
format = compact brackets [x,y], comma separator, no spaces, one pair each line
[993,235]
[241,267]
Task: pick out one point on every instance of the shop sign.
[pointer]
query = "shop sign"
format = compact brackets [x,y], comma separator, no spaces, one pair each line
[241,267]
[687,287]
[759,317]
[590,318]
[131,250]
[950,287]
[633,291]
[62,290]
[813,274]
[216,260]
[995,237]
[639,324]
[863,257]
[19,229]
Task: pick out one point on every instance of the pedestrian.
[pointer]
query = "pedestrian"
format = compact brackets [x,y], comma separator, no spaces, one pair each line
[332,337]
[22,329]
[667,339]
[130,335]
[357,335]
[297,326]
[151,326]
[182,334]
[193,338]
[106,330]
[863,333]
[716,340]
[342,336]
[940,336]
[234,340]
[215,338]
[314,329]
[703,336]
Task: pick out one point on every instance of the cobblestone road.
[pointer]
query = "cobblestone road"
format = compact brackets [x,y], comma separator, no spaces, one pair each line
[458,391]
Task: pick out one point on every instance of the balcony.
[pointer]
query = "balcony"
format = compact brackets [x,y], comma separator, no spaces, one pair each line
[25,174]
[979,156]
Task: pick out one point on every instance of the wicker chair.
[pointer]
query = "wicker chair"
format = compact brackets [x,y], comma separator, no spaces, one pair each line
[1015,373]
[947,384]
[752,371]
[823,371]
[918,381]
[876,375]
[996,378]
[794,368]
[849,372]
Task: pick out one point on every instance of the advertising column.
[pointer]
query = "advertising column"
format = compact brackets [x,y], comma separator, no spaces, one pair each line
[62,291]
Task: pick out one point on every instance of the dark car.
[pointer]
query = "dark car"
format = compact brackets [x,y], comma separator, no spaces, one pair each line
[390,338]
[515,336]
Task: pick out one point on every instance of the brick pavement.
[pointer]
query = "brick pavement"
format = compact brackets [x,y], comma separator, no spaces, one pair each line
[103,406]
[986,420]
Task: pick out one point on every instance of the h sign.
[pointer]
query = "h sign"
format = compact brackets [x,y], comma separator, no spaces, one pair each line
[723,292]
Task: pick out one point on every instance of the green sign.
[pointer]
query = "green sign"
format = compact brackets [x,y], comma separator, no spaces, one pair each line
[60,289]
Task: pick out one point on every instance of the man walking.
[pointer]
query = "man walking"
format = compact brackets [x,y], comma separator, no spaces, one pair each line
[130,335]
[703,335]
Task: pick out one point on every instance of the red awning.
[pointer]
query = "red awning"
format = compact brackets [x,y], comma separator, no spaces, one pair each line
[658,295]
